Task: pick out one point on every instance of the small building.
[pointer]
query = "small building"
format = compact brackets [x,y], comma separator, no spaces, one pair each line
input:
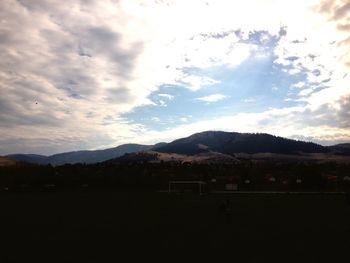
[272,179]
[187,186]
[231,187]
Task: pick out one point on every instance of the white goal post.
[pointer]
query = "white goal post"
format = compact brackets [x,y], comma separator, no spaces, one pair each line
[200,184]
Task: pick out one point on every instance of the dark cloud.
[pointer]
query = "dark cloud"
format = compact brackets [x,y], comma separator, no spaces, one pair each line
[292,58]
[334,116]
[283,31]
[119,96]
[103,41]
[26,111]
[326,6]
[60,52]
[329,140]
[328,115]
[344,27]
[341,11]
[59,63]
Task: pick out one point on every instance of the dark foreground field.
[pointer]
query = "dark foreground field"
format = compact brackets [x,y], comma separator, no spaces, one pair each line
[110,226]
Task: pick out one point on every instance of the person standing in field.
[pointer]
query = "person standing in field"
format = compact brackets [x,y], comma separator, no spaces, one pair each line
[228,211]
[225,211]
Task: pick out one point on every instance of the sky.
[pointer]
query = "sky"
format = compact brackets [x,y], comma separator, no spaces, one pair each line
[94,74]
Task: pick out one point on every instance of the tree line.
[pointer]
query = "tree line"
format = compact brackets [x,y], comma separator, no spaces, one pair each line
[248,175]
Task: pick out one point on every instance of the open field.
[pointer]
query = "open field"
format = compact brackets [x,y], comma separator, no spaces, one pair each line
[107,226]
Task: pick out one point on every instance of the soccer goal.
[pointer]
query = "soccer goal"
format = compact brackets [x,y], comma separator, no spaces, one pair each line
[187,186]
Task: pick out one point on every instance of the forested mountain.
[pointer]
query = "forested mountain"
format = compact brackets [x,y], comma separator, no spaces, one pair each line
[233,142]
[226,143]
[81,156]
[5,161]
[343,148]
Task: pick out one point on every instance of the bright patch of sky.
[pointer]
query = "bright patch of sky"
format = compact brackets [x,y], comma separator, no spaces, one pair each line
[257,84]
[96,74]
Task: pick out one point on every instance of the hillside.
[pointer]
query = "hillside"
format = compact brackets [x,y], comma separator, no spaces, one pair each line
[232,142]
[81,156]
[5,161]
[29,158]
[208,143]
[156,157]
[343,149]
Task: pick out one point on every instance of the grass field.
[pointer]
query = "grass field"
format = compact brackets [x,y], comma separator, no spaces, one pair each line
[109,226]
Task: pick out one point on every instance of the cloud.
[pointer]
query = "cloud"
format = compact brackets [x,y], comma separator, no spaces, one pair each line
[195,83]
[212,98]
[118,95]
[61,63]
[298,85]
[338,11]
[321,61]
[323,126]
[76,68]
[162,103]
[168,96]
[155,119]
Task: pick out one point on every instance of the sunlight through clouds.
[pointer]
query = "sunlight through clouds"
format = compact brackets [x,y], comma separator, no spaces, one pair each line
[95,74]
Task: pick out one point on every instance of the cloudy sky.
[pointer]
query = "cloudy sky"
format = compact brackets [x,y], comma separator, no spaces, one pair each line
[95,74]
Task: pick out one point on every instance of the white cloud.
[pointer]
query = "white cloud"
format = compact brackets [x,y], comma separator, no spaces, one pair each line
[75,68]
[168,96]
[162,103]
[298,85]
[155,119]
[318,50]
[212,98]
[305,92]
[287,122]
[195,83]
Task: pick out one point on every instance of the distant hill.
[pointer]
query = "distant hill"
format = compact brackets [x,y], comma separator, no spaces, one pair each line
[233,142]
[82,156]
[5,161]
[30,158]
[342,149]
[204,146]
[156,157]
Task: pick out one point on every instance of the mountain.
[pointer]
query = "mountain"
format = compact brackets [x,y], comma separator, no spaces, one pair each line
[29,158]
[5,161]
[83,156]
[233,142]
[343,148]
[208,145]
[157,157]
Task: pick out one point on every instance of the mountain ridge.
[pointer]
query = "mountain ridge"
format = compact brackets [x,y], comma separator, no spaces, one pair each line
[226,143]
[233,142]
[84,156]
[6,161]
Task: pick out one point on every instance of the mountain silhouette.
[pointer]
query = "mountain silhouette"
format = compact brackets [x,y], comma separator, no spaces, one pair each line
[5,161]
[82,156]
[212,142]
[343,148]
[233,142]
